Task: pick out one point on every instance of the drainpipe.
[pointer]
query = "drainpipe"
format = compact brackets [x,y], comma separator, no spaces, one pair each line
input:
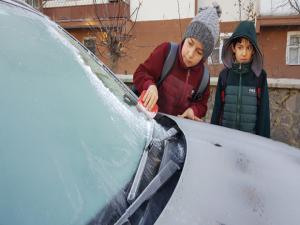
[196,7]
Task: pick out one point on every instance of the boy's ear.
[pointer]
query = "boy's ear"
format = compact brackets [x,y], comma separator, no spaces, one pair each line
[253,51]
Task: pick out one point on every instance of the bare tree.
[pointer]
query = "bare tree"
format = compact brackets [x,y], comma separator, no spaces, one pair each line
[293,4]
[250,11]
[246,8]
[114,28]
[239,4]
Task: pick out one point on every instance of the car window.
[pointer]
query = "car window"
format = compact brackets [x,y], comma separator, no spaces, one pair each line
[68,140]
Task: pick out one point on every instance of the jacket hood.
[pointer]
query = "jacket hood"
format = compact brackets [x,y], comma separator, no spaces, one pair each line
[245,29]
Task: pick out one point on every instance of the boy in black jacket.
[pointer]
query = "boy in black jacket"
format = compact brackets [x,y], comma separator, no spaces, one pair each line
[242,99]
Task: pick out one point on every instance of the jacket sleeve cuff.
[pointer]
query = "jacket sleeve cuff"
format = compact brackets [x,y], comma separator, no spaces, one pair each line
[199,110]
[196,111]
[147,84]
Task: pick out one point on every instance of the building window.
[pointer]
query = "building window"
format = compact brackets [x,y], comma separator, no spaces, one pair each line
[293,48]
[33,3]
[215,57]
[90,43]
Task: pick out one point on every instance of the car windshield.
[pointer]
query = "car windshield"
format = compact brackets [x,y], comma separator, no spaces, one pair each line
[68,140]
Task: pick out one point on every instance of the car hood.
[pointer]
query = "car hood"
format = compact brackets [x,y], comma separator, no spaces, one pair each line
[232,177]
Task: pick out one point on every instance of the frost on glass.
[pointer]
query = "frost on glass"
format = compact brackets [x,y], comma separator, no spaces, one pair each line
[67,143]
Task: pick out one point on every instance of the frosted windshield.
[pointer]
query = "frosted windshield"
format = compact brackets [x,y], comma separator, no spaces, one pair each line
[68,142]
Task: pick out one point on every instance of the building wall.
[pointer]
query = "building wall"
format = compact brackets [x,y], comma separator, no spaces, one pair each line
[63,3]
[87,13]
[147,36]
[273,42]
[285,115]
[81,33]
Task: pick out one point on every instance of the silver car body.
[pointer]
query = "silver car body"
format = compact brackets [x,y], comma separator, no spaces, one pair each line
[233,177]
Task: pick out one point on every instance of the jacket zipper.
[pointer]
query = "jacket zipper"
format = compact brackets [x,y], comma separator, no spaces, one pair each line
[185,86]
[239,98]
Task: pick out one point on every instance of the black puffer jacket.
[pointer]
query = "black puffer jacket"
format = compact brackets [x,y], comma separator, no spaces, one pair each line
[235,78]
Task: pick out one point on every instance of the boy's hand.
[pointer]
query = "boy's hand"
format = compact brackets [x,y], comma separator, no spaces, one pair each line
[189,114]
[150,97]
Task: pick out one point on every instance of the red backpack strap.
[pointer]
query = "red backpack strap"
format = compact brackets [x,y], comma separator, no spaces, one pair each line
[223,96]
[259,88]
[224,76]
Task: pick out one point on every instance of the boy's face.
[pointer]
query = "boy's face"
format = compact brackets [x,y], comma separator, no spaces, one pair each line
[243,51]
[192,52]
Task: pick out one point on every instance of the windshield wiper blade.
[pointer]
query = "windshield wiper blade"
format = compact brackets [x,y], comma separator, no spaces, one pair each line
[164,174]
[137,179]
[154,142]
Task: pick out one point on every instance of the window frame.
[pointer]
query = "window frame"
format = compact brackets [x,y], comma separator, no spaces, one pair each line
[288,47]
[89,39]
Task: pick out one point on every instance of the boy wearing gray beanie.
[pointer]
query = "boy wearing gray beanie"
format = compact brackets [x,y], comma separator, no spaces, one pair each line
[175,95]
[205,28]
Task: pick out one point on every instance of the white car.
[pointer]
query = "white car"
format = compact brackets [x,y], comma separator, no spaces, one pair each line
[76,149]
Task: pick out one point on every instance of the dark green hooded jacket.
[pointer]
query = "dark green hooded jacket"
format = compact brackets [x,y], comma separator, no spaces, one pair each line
[242,108]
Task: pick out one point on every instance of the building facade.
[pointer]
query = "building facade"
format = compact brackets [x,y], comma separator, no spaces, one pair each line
[142,25]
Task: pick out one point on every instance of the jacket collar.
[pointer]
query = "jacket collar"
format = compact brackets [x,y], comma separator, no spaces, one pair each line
[241,67]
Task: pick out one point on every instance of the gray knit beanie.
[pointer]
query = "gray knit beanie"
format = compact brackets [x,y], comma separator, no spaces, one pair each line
[205,28]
